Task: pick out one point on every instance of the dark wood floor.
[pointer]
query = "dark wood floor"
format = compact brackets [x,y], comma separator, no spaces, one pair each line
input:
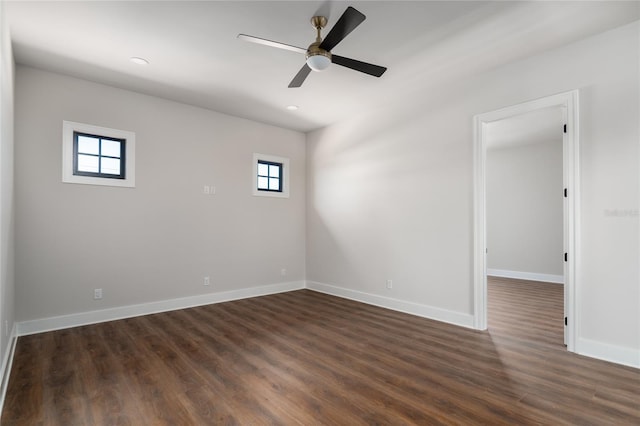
[304,358]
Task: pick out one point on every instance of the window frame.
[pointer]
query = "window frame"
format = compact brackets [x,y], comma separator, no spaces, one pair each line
[69,155]
[268,176]
[284,176]
[100,174]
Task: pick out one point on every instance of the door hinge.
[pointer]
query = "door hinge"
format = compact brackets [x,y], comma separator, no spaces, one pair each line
[565,129]
[565,193]
[565,257]
[565,321]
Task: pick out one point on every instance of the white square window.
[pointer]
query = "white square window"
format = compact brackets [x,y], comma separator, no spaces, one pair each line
[270,176]
[96,155]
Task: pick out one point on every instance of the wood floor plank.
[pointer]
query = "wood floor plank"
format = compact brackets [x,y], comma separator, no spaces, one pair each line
[306,358]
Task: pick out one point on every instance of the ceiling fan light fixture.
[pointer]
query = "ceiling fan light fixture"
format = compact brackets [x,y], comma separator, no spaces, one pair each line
[318,61]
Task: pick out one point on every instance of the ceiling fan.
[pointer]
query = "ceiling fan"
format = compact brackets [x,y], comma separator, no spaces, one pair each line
[318,54]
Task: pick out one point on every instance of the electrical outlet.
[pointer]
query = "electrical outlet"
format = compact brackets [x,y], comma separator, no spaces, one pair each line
[283,272]
[389,284]
[207,281]
[97,293]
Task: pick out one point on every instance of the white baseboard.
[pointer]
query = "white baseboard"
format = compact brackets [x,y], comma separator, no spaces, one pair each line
[7,362]
[606,352]
[531,276]
[620,355]
[85,318]
[425,311]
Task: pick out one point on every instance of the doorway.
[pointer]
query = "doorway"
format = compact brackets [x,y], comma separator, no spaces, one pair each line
[524,205]
[567,103]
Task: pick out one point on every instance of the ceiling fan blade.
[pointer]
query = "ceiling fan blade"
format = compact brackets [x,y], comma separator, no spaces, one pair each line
[270,43]
[300,77]
[375,70]
[348,22]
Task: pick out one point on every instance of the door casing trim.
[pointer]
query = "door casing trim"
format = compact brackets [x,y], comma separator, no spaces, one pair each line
[568,101]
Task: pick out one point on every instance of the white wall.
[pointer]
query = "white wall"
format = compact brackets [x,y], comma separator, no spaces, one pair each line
[390,193]
[159,240]
[7,217]
[524,208]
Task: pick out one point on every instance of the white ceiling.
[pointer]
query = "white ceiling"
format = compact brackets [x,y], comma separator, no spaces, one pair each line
[196,58]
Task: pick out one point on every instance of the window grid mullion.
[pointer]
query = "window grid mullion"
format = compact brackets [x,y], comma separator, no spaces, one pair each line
[100,155]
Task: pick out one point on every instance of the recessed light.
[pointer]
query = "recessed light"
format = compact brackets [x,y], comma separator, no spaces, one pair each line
[292,107]
[139,61]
